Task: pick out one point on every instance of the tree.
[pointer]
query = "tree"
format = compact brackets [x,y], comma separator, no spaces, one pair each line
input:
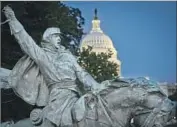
[98,65]
[36,17]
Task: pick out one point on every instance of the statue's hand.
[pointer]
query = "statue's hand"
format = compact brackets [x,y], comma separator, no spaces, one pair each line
[9,13]
[98,87]
[95,89]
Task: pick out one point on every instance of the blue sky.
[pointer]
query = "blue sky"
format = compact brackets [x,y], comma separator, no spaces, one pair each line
[144,34]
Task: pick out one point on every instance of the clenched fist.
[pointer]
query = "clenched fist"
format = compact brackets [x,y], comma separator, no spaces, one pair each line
[9,13]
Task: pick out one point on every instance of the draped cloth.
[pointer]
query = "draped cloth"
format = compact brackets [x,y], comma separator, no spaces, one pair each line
[28,82]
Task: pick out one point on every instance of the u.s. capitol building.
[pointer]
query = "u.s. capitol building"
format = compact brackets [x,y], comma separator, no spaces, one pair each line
[100,42]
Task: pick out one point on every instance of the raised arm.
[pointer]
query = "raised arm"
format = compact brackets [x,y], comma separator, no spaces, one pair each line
[25,41]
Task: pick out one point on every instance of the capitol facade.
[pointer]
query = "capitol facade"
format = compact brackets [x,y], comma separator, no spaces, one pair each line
[100,42]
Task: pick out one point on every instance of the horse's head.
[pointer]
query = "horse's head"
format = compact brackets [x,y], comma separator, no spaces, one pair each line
[122,98]
[156,110]
[145,103]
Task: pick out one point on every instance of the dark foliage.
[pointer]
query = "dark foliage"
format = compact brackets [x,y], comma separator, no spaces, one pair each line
[36,17]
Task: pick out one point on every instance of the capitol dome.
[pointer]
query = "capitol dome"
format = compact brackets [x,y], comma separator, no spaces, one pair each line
[99,41]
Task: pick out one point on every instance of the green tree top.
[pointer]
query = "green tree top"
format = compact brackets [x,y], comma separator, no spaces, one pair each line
[98,65]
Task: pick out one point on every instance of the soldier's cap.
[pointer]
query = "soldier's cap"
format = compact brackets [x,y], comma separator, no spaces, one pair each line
[51,31]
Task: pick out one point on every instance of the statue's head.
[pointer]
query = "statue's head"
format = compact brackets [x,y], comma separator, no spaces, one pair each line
[51,37]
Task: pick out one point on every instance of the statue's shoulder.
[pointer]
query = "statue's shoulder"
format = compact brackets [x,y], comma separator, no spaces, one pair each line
[69,56]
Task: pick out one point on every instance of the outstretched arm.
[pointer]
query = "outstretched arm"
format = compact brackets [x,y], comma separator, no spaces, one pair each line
[85,77]
[25,41]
